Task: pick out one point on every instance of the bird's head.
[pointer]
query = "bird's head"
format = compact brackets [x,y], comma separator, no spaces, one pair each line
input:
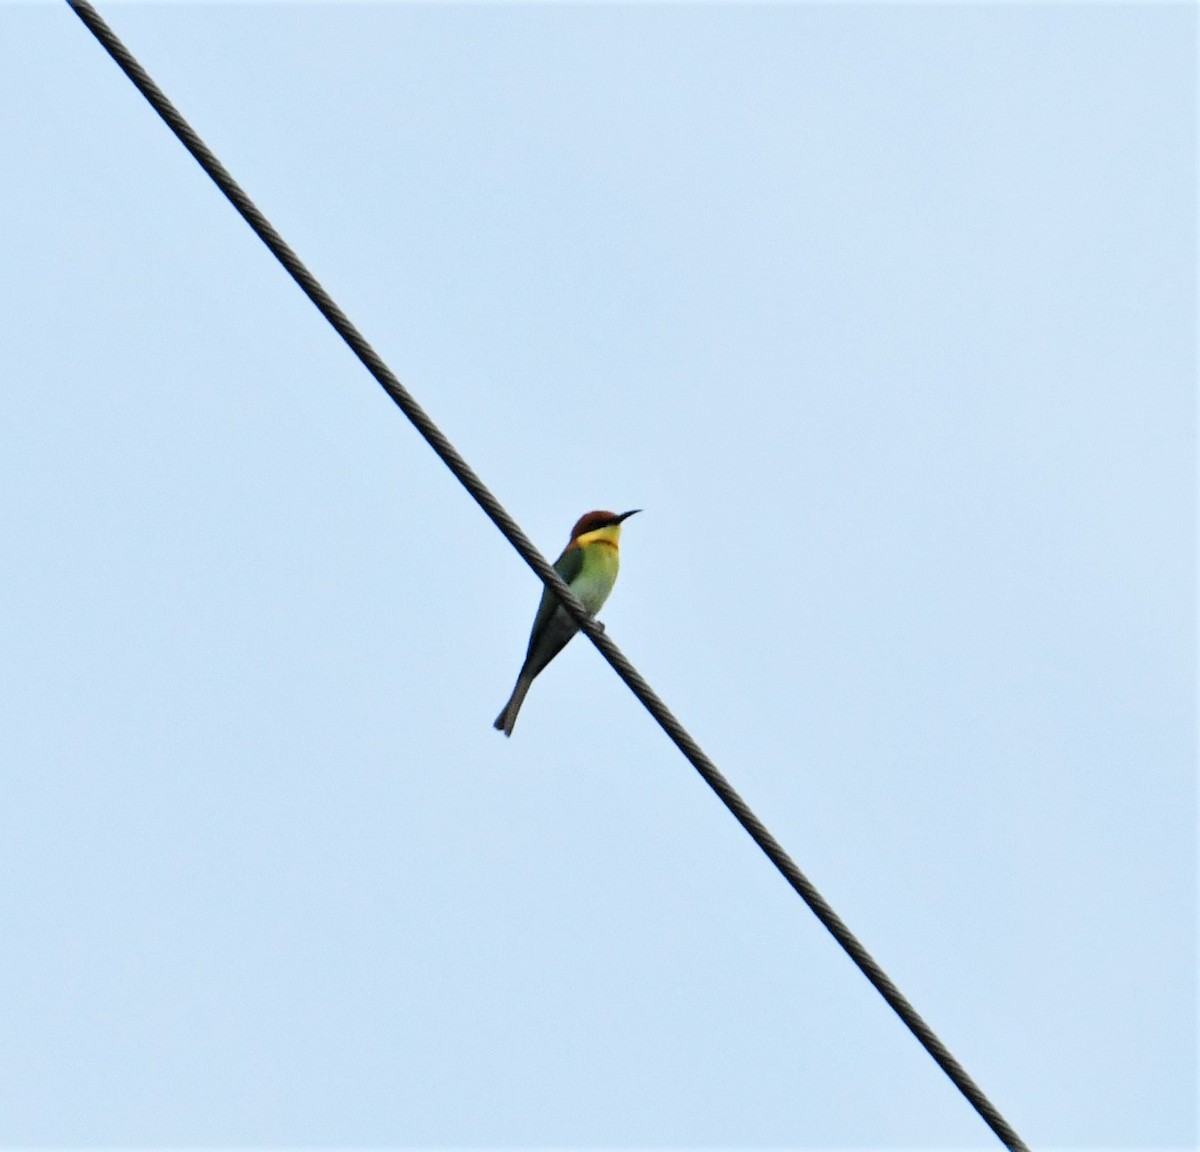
[599,527]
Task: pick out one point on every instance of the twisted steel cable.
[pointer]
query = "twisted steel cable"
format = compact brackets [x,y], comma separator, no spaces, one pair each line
[513,534]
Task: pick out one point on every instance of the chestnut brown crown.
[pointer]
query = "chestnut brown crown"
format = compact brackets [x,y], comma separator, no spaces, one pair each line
[593,520]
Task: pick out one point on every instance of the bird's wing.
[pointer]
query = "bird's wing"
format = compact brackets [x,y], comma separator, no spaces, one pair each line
[568,566]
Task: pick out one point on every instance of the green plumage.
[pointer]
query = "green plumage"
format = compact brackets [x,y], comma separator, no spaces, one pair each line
[589,569]
[568,566]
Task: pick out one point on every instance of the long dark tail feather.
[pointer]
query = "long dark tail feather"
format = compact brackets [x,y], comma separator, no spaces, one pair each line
[545,643]
[507,719]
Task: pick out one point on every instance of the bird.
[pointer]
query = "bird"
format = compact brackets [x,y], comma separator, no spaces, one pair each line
[588,565]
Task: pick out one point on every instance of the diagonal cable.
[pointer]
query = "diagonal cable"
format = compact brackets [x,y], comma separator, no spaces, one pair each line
[513,534]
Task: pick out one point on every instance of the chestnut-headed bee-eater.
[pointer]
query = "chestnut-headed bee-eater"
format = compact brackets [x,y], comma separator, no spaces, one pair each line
[588,566]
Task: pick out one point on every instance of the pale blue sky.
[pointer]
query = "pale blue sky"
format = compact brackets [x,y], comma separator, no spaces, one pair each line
[886,316]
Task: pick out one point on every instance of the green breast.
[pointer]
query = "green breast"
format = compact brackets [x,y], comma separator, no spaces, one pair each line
[597,575]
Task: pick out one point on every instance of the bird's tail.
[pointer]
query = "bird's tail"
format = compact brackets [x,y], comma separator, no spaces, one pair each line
[507,719]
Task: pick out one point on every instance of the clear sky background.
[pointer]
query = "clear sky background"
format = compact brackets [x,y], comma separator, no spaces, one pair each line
[886,316]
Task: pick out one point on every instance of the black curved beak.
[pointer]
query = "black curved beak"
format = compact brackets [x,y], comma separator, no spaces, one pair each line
[626,515]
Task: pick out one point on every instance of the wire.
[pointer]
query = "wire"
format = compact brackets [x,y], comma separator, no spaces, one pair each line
[513,534]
